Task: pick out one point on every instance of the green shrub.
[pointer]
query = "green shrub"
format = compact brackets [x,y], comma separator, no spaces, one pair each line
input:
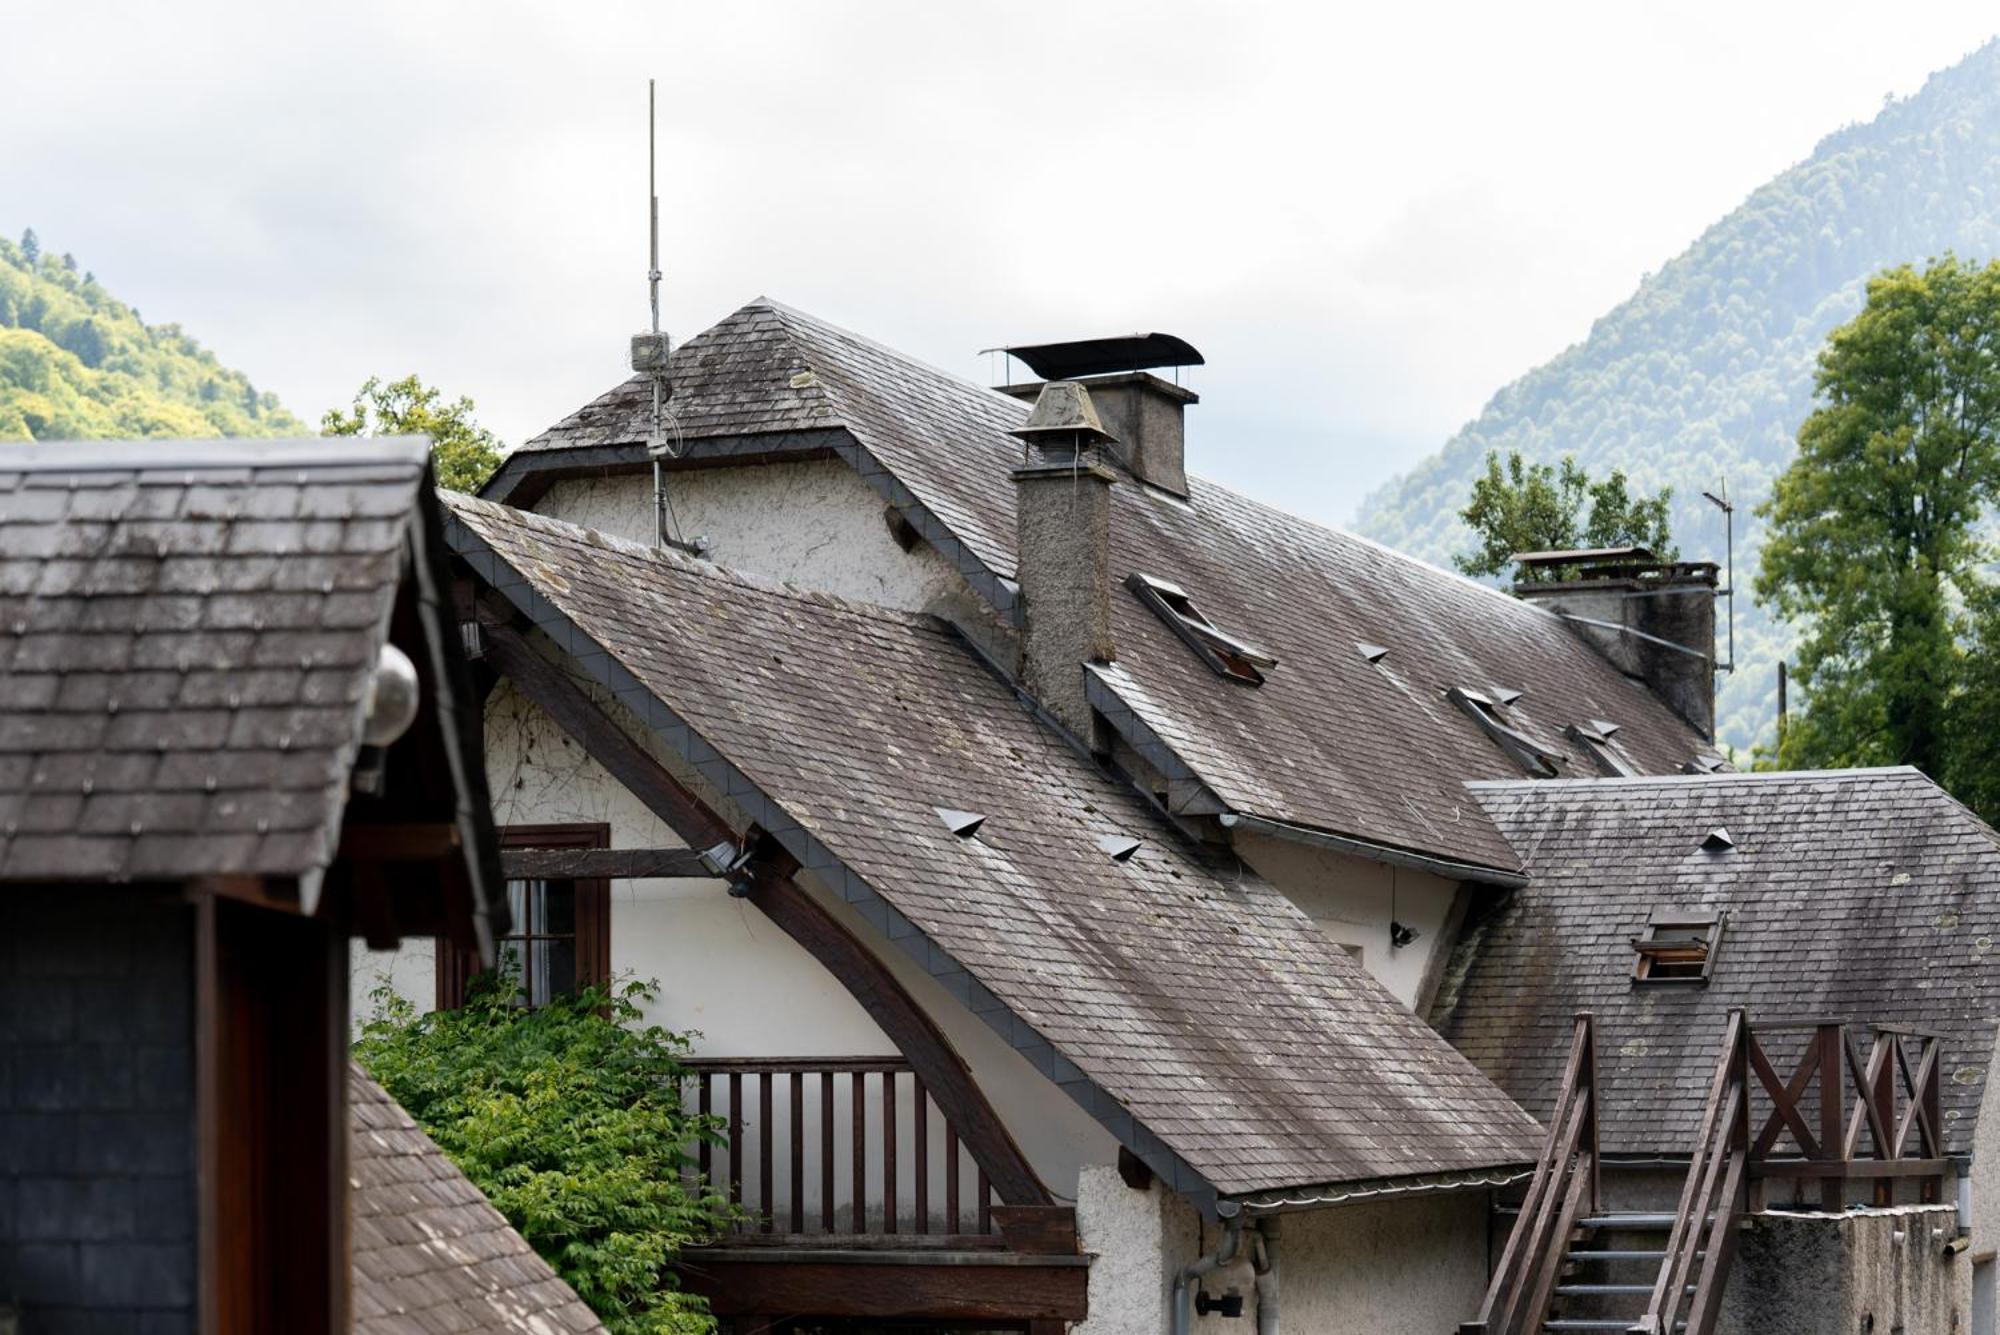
[569,1118]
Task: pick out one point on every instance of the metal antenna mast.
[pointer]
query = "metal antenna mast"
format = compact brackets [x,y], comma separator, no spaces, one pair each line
[651,351]
[1729,522]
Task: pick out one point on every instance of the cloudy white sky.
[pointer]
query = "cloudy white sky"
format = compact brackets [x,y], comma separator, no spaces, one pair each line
[1368,217]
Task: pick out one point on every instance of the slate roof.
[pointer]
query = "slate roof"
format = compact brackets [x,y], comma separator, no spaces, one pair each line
[1203,1002]
[1861,896]
[186,630]
[431,1254]
[1330,741]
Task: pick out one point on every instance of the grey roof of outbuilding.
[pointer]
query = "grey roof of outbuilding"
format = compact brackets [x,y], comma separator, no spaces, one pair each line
[186,630]
[431,1254]
[1330,741]
[1194,996]
[1860,896]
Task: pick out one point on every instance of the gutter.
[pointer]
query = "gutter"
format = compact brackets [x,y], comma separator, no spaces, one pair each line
[1301,834]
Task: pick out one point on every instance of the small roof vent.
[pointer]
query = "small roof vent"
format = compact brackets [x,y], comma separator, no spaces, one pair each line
[1535,760]
[1717,840]
[1117,847]
[1503,696]
[1374,653]
[964,824]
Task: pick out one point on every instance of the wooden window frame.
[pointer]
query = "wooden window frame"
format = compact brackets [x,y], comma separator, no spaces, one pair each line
[456,966]
[1690,929]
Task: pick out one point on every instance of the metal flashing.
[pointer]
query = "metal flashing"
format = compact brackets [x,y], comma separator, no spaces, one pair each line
[1398,857]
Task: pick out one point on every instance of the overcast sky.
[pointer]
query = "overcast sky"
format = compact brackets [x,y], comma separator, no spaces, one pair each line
[1368,218]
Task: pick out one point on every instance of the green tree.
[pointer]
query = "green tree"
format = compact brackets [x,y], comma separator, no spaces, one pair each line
[463,452]
[31,247]
[569,1118]
[1526,507]
[1874,550]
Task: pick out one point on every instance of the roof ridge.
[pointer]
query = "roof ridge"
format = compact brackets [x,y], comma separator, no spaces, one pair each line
[460,502]
[84,456]
[824,326]
[1733,776]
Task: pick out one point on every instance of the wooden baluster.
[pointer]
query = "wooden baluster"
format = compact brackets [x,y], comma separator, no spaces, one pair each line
[985,1202]
[888,1151]
[1832,1119]
[764,1147]
[951,1178]
[798,1151]
[1932,1094]
[921,1137]
[736,1138]
[826,1151]
[860,1128]
[704,1106]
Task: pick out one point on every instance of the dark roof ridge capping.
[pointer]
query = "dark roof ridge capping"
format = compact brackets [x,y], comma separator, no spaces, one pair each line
[1864,896]
[90,456]
[1101,973]
[1370,750]
[1679,780]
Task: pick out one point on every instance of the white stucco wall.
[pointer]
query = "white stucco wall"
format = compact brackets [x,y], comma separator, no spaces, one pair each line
[815,523]
[1351,899]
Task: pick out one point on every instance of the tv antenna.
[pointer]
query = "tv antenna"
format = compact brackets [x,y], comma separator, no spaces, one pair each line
[652,352]
[1721,503]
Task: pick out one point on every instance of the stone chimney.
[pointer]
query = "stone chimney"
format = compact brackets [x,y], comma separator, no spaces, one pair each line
[1146,418]
[1144,415]
[1655,620]
[1062,494]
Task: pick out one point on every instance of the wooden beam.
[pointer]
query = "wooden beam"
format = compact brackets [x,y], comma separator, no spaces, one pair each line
[772,889]
[406,842]
[599,864]
[603,740]
[890,1287]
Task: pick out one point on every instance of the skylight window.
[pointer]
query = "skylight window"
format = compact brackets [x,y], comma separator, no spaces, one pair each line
[1534,759]
[1229,656]
[1678,947]
[1598,741]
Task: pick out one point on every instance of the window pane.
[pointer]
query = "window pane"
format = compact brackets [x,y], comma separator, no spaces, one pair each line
[558,907]
[554,971]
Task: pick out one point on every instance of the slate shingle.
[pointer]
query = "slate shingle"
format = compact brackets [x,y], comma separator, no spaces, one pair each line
[1865,896]
[1329,741]
[430,1252]
[1198,996]
[171,661]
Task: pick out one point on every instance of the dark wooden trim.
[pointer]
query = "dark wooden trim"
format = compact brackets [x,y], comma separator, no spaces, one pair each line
[456,965]
[208,1138]
[770,885]
[928,1286]
[413,842]
[600,864]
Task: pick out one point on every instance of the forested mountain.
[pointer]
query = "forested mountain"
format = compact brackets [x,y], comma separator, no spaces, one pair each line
[77,362]
[1706,371]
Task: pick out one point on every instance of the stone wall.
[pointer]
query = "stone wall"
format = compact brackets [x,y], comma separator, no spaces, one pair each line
[1881,1271]
[97,1196]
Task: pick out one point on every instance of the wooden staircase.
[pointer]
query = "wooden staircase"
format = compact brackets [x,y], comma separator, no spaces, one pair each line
[1571,1265]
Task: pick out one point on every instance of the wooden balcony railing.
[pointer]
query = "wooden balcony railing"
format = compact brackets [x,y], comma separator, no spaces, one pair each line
[837,1147]
[1564,1185]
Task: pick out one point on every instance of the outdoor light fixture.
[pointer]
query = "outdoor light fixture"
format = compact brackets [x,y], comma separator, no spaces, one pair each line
[388,708]
[1400,936]
[1228,1305]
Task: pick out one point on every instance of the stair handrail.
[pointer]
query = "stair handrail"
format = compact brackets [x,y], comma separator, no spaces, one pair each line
[1702,1240]
[1565,1181]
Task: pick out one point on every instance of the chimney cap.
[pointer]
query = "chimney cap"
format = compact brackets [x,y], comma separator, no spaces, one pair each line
[1585,556]
[1102,356]
[1063,408]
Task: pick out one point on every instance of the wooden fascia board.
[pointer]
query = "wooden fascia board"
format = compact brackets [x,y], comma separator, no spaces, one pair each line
[601,666]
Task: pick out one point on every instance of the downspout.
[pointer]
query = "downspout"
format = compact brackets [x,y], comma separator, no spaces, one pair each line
[1189,1278]
[1264,1264]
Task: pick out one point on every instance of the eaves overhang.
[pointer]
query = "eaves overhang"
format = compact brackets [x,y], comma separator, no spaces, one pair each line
[1188,794]
[526,475]
[600,665]
[1381,1189]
